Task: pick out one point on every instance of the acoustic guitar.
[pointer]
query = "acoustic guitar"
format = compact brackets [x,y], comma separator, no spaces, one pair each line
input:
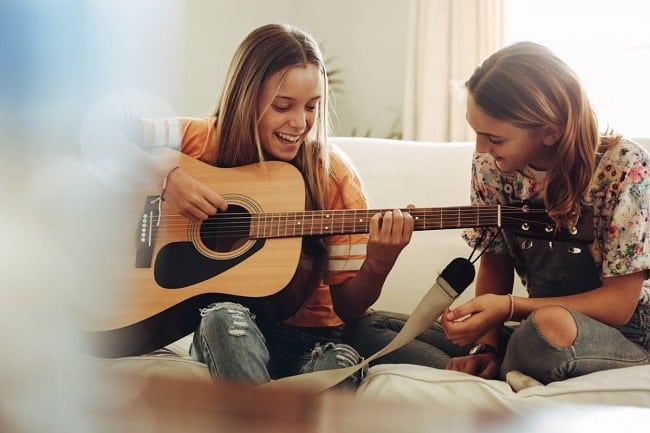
[248,254]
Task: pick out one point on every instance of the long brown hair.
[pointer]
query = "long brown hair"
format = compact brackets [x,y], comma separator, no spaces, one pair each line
[266,50]
[527,85]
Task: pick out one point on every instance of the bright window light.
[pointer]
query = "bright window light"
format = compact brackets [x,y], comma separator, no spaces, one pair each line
[607,43]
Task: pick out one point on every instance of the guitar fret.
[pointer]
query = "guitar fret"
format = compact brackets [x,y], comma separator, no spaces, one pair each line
[271,225]
[357,219]
[341,217]
[310,225]
[318,226]
[264,225]
[294,223]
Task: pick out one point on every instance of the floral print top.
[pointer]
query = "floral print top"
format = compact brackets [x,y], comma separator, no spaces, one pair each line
[619,193]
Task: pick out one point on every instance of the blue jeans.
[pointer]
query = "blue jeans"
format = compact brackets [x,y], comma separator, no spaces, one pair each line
[597,346]
[230,343]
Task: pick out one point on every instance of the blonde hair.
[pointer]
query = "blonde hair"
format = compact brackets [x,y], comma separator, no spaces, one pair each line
[529,86]
[265,51]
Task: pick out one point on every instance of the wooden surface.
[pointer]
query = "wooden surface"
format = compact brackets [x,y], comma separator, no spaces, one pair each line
[128,403]
[136,403]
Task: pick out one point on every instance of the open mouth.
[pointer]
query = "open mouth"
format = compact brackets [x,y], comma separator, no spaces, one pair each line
[287,138]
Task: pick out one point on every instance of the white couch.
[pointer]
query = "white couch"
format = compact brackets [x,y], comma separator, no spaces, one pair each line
[397,173]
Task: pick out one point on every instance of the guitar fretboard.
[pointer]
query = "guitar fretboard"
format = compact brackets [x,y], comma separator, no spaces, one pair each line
[331,222]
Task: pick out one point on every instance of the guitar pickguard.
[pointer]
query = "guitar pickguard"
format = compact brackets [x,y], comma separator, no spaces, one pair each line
[180,264]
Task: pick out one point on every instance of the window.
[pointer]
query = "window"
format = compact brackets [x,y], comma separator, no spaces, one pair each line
[607,43]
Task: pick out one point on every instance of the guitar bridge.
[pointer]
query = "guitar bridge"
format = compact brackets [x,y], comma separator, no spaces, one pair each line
[147,230]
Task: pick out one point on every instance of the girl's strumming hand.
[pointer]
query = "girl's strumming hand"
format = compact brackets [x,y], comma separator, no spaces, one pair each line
[193,199]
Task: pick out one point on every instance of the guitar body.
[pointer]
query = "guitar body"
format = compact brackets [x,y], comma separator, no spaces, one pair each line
[174,267]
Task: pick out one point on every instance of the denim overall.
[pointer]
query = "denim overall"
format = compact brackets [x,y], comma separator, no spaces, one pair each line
[558,268]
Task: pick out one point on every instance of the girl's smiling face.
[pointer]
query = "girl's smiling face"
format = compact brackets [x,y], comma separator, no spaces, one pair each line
[288,104]
[513,148]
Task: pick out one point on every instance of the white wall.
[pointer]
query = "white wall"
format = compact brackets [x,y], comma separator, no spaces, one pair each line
[364,38]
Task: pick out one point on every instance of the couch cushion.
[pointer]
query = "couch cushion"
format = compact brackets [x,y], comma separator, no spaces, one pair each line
[625,387]
[172,360]
[156,365]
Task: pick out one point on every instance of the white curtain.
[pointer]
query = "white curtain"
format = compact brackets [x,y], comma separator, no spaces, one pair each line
[448,39]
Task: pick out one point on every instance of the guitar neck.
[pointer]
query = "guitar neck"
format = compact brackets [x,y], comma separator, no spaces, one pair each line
[350,221]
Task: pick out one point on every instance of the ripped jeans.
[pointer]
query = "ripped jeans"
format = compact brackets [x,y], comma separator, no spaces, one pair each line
[597,347]
[234,348]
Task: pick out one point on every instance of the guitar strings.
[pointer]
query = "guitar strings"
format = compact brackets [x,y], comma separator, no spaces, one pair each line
[241,224]
[324,216]
[368,212]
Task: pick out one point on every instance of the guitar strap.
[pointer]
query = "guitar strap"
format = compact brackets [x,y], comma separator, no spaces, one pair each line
[425,313]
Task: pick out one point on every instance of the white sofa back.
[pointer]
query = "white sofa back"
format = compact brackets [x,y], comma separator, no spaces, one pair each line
[397,173]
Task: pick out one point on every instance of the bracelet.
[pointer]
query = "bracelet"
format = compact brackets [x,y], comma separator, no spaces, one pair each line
[512,307]
[164,184]
[483,348]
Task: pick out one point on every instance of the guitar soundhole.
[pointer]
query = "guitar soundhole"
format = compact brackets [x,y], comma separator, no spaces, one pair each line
[226,231]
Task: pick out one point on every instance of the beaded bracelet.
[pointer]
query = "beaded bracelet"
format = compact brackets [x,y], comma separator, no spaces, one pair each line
[164,184]
[512,307]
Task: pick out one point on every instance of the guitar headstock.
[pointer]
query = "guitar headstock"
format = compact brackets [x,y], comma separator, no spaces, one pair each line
[532,221]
